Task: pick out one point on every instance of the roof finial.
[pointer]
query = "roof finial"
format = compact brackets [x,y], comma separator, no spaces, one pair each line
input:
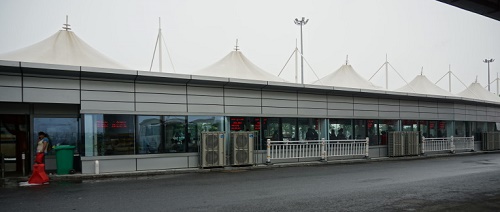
[236,47]
[66,25]
[422,71]
[386,57]
[347,59]
[476,78]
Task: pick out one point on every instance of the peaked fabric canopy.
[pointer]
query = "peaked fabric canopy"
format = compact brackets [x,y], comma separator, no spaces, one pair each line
[63,48]
[477,91]
[421,85]
[236,65]
[346,76]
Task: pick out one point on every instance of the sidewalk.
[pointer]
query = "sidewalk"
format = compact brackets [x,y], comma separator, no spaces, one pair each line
[78,177]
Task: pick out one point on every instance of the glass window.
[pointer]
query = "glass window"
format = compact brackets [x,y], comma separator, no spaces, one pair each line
[372,129]
[175,139]
[444,129]
[247,124]
[459,129]
[309,129]
[386,126]
[360,129]
[199,124]
[149,133]
[271,129]
[60,131]
[107,134]
[410,125]
[289,127]
[340,129]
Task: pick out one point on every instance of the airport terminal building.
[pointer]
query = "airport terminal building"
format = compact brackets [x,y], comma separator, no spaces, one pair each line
[132,120]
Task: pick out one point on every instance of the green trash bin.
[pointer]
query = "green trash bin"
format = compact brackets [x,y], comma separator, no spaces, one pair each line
[64,158]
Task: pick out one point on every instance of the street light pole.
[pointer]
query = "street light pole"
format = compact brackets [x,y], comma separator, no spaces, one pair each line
[488,61]
[301,22]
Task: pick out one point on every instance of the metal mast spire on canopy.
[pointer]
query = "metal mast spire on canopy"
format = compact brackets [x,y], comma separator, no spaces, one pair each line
[159,41]
[66,25]
[386,65]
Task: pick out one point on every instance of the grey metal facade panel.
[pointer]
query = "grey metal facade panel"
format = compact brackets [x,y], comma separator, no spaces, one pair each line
[445,110]
[159,107]
[470,118]
[279,95]
[481,118]
[429,116]
[319,113]
[388,114]
[56,109]
[367,101]
[459,106]
[107,106]
[340,99]
[51,95]
[408,103]
[8,80]
[409,115]
[365,113]
[192,108]
[312,97]
[388,108]
[407,108]
[279,103]
[312,104]
[242,101]
[459,111]
[341,113]
[162,163]
[108,96]
[36,82]
[107,86]
[242,93]
[394,102]
[205,91]
[117,165]
[427,109]
[471,112]
[458,117]
[157,88]
[247,110]
[279,111]
[445,116]
[205,100]
[340,106]
[428,104]
[11,94]
[160,98]
[366,107]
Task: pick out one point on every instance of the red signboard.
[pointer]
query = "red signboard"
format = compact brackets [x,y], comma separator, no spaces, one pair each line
[114,124]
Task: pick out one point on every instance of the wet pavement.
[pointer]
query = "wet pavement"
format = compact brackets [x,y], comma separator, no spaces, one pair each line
[461,183]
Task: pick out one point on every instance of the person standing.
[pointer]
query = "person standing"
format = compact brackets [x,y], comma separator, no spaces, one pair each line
[41,147]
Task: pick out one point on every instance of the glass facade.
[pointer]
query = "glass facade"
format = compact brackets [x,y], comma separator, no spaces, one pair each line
[135,134]
[109,135]
[60,131]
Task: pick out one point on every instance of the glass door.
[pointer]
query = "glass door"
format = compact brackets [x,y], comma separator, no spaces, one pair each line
[14,144]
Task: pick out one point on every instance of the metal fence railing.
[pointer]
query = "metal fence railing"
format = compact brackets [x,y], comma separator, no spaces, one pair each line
[447,144]
[321,149]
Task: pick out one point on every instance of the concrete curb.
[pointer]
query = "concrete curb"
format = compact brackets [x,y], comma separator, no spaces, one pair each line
[79,177]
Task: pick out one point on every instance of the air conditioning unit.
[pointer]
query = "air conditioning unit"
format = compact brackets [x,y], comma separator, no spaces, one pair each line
[242,145]
[212,149]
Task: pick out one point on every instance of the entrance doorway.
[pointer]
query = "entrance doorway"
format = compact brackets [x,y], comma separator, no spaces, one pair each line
[14,144]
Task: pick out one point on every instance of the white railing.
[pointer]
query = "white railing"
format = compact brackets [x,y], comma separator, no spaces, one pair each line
[447,144]
[316,149]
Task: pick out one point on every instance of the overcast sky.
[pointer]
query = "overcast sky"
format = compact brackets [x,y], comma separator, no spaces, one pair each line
[413,33]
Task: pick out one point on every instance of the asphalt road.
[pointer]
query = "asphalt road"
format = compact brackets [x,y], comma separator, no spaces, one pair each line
[460,183]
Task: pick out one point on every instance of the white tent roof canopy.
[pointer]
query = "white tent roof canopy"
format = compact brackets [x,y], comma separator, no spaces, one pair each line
[422,85]
[347,77]
[62,48]
[236,65]
[477,91]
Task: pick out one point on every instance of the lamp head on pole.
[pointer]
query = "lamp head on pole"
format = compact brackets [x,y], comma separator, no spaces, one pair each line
[303,21]
[488,61]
